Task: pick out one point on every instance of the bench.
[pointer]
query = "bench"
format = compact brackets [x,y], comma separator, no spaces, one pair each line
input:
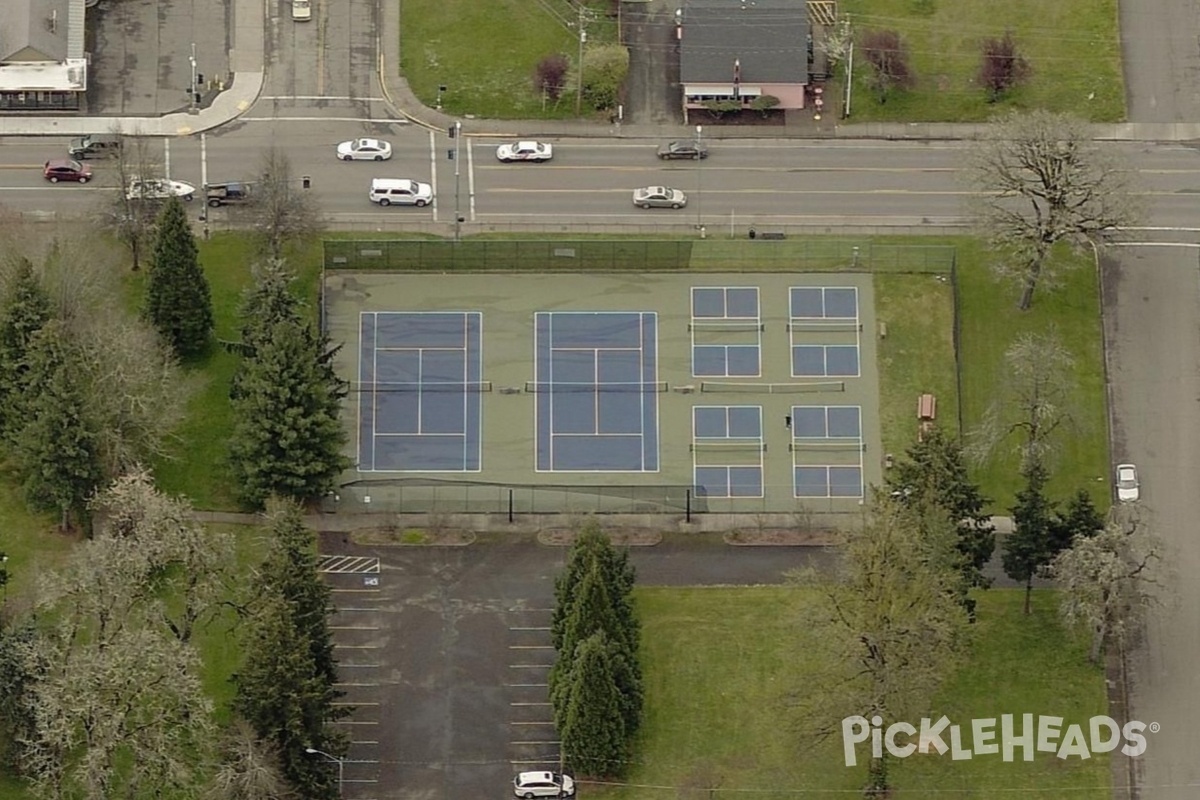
[772,235]
[926,414]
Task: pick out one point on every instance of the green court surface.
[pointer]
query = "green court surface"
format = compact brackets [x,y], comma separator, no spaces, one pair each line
[749,392]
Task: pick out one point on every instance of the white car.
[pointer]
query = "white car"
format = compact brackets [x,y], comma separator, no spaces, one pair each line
[158,189]
[528,785]
[525,151]
[400,192]
[1128,490]
[364,150]
[301,10]
[659,197]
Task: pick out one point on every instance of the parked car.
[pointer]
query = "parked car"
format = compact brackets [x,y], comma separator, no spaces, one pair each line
[400,192]
[659,197]
[158,189]
[94,147]
[66,169]
[689,150]
[227,194]
[528,785]
[301,10]
[1128,488]
[525,151]
[364,150]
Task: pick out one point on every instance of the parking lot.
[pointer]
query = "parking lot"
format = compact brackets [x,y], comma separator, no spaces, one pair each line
[444,654]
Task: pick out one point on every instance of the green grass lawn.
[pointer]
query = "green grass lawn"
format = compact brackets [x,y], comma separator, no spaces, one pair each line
[1072,46]
[990,322]
[485,53]
[720,664]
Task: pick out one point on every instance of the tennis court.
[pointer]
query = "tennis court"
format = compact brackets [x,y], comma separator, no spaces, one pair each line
[743,392]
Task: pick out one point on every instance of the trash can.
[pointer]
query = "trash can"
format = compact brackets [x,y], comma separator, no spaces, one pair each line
[753,233]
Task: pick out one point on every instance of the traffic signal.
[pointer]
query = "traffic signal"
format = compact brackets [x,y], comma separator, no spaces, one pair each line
[453,131]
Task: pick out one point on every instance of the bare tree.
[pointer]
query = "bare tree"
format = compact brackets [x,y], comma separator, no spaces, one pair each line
[888,57]
[119,704]
[130,217]
[837,41]
[1035,400]
[1003,67]
[1108,581]
[249,769]
[180,553]
[1041,180]
[889,622]
[283,211]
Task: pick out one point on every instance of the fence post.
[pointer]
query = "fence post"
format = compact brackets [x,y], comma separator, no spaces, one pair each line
[510,506]
[688,513]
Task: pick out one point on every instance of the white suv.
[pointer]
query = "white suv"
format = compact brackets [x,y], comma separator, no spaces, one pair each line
[528,785]
[398,192]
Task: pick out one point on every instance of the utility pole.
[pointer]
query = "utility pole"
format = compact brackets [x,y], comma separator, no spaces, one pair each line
[193,89]
[849,72]
[699,179]
[457,182]
[582,38]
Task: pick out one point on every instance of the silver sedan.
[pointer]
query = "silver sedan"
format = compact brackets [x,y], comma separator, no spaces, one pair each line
[659,197]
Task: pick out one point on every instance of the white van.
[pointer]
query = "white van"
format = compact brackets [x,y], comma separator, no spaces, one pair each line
[301,10]
[400,192]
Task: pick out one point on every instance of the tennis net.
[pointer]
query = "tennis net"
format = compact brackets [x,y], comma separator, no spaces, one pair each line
[538,387]
[730,326]
[729,446]
[731,387]
[425,387]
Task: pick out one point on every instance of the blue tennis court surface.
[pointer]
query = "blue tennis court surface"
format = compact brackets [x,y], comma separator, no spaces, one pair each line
[832,312]
[726,331]
[596,384]
[420,384]
[727,451]
[827,451]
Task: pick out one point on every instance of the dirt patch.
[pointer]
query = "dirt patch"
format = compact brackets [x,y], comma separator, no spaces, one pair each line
[411,537]
[620,538]
[781,538]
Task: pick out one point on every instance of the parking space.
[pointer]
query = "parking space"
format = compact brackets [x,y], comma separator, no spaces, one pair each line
[357,629]
[533,742]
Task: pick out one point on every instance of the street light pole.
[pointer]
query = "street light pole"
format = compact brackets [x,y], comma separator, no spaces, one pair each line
[699,180]
[457,182]
[192,87]
[312,751]
[579,66]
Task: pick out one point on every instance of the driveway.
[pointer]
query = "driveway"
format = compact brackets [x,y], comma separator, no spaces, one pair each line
[1152,304]
[444,654]
[653,87]
[1161,59]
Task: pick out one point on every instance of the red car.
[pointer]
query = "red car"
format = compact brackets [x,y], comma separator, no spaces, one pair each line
[66,169]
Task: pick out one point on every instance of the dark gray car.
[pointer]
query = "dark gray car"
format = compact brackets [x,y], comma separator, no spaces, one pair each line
[688,150]
[95,147]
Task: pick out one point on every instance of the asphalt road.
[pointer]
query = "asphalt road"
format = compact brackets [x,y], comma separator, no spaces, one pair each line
[1161,59]
[742,184]
[1154,302]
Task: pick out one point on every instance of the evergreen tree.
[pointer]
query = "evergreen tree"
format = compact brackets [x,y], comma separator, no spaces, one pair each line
[270,300]
[178,300]
[1081,519]
[618,574]
[593,735]
[591,611]
[286,687]
[288,438]
[25,311]
[934,474]
[57,450]
[1028,549]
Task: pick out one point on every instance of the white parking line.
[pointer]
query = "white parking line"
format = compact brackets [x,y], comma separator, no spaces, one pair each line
[356,646]
[541,742]
[529,704]
[531,647]
[376,685]
[353,627]
[546,628]
[530,666]
[548,722]
[525,685]
[355,722]
[359,666]
[348,703]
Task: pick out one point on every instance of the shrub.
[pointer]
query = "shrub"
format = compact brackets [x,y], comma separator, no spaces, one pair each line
[1002,67]
[550,76]
[888,57]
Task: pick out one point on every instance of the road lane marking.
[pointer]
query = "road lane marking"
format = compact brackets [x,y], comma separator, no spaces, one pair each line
[471,180]
[433,181]
[515,190]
